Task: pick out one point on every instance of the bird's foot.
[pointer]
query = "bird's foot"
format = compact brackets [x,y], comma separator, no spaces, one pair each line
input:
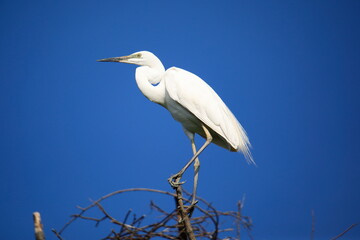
[174,180]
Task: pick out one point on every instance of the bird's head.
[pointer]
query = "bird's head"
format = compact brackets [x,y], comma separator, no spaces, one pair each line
[142,58]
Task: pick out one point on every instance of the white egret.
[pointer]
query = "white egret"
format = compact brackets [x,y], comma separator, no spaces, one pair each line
[193,103]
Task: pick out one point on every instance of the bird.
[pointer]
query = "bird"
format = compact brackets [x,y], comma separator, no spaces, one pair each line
[193,103]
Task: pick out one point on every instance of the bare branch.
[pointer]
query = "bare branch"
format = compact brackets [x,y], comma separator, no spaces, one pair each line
[176,224]
[341,234]
[38,227]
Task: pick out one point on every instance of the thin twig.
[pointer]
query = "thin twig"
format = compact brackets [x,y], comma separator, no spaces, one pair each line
[341,234]
[57,234]
[312,225]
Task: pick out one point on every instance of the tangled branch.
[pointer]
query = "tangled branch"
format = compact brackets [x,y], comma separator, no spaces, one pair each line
[176,224]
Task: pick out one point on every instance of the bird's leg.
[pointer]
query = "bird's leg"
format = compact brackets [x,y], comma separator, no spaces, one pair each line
[175,179]
[196,172]
[191,208]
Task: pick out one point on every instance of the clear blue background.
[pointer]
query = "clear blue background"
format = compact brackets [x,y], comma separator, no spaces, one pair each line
[73,129]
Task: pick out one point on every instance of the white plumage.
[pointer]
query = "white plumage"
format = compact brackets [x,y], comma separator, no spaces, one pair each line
[192,102]
[197,97]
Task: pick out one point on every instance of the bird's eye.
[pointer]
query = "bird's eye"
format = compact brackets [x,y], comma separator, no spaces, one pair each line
[138,55]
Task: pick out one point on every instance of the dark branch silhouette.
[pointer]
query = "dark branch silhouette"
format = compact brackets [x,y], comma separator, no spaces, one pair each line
[176,224]
[346,230]
[179,223]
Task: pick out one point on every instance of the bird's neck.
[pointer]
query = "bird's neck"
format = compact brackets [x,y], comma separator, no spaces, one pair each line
[149,81]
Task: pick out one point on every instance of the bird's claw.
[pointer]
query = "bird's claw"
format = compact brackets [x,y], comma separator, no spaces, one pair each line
[174,181]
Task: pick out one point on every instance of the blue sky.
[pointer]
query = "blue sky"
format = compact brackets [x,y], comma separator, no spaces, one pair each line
[73,129]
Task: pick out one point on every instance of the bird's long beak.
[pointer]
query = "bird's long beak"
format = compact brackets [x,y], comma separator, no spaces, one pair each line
[115,59]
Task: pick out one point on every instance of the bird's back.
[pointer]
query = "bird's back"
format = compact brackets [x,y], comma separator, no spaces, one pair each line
[192,101]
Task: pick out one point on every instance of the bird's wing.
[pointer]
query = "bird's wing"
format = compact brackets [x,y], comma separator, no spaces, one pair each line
[200,99]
